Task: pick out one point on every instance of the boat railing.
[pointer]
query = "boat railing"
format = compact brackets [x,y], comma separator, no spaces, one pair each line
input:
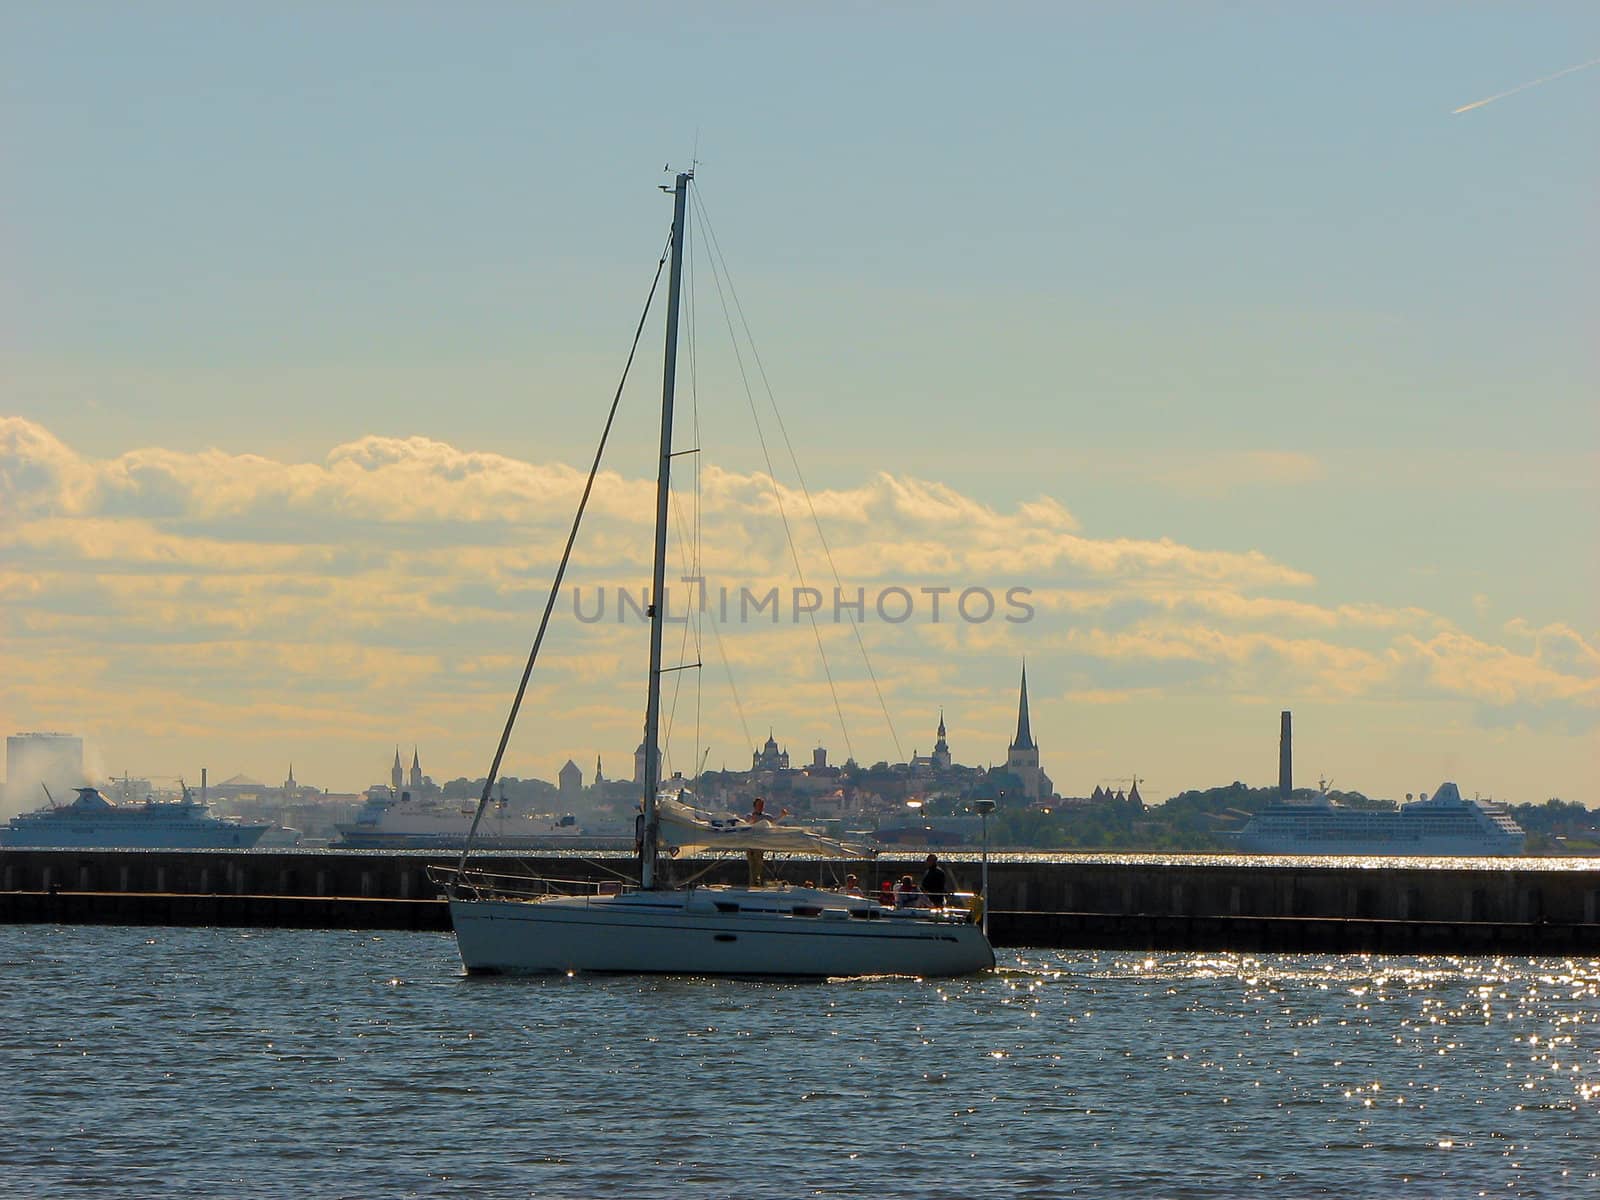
[473,884]
[959,908]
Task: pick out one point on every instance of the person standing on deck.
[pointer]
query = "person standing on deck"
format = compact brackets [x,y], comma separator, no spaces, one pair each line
[934,885]
[758,814]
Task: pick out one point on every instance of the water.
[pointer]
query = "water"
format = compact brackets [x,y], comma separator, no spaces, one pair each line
[141,1062]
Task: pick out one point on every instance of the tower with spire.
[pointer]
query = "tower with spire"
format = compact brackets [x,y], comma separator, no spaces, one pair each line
[638,763]
[769,757]
[1022,756]
[397,775]
[941,748]
[416,770]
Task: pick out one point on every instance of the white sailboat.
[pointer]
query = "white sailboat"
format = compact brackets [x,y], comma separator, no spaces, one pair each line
[507,925]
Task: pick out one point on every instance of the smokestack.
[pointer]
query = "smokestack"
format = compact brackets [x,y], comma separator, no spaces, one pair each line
[1285,759]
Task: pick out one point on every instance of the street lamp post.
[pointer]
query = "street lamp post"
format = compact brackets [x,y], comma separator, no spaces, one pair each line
[985,807]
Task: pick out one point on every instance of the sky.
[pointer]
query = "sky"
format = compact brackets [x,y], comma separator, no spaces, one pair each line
[1269,375]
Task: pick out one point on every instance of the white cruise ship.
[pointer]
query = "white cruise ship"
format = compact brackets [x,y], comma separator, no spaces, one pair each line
[93,822]
[386,822]
[1442,824]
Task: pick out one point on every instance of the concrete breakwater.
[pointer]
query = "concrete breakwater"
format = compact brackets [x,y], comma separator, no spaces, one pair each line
[1126,902]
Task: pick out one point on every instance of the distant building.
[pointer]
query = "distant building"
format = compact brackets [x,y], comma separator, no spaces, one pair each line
[294,790]
[569,781]
[769,757]
[638,763]
[938,761]
[418,785]
[1022,756]
[941,748]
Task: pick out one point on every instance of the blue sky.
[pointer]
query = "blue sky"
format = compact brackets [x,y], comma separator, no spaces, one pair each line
[1231,277]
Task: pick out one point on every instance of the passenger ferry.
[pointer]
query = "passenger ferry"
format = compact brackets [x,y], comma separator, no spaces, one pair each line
[1442,824]
[92,822]
[390,822]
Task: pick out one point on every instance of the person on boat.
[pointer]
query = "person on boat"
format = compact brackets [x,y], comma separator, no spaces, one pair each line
[752,859]
[934,885]
[758,815]
[886,893]
[758,812]
[906,895]
[851,887]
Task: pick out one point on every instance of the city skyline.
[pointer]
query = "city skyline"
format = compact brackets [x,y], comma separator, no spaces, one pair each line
[1268,390]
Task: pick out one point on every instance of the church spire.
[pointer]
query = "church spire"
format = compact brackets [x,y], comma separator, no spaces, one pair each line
[1024,738]
[941,748]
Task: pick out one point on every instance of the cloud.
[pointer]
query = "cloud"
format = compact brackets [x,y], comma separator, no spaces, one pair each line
[1562,669]
[399,580]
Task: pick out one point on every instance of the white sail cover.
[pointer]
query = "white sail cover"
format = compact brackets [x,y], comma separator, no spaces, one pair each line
[690,830]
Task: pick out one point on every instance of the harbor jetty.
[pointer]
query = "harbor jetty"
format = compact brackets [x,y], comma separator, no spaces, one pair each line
[1139,902]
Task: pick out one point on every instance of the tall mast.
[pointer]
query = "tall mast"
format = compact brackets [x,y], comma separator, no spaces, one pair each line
[652,710]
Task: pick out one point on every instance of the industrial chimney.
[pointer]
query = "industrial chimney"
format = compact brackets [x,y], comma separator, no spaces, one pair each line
[1285,759]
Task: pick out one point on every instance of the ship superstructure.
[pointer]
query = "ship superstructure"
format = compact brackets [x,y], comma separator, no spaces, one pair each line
[1442,824]
[390,822]
[91,821]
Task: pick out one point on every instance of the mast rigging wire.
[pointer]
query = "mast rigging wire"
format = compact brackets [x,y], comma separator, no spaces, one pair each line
[772,478]
[794,460]
[561,570]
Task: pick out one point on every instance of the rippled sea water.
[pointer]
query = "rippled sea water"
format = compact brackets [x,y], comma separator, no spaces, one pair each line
[153,1062]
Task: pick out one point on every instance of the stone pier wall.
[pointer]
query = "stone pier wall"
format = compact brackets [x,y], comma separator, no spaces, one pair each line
[1131,901]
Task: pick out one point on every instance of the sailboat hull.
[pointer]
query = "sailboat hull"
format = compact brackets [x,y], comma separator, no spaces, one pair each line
[711,932]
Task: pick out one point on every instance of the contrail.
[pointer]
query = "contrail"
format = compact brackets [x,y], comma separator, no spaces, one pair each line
[1522,87]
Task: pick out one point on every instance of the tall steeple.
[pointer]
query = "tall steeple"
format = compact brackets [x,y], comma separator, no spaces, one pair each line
[941,748]
[416,768]
[397,775]
[1022,757]
[1024,738]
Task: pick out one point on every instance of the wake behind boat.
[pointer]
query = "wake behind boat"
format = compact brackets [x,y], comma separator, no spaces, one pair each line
[91,821]
[506,924]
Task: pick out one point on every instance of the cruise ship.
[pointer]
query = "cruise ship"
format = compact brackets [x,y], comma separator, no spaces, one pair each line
[93,822]
[387,822]
[1442,824]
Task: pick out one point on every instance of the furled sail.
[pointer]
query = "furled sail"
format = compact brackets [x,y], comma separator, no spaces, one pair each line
[689,829]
